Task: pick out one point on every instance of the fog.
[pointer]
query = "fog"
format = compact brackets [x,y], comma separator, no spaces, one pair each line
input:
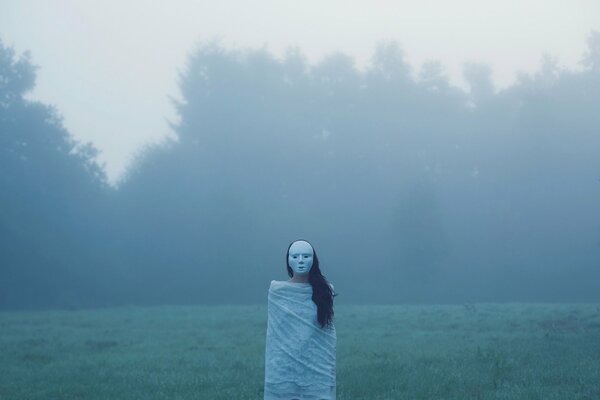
[110,69]
[411,189]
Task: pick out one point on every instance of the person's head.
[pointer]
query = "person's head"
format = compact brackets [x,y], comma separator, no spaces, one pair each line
[301,259]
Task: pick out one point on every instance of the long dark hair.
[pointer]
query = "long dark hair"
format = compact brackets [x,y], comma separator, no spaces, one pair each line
[322,293]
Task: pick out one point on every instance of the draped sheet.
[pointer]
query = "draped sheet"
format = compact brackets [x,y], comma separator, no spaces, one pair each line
[299,355]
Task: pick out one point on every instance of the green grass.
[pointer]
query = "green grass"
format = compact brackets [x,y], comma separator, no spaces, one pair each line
[482,351]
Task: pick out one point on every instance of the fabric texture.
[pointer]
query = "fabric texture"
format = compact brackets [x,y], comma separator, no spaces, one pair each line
[300,356]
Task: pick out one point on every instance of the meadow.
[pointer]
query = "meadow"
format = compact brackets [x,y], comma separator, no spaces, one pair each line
[471,351]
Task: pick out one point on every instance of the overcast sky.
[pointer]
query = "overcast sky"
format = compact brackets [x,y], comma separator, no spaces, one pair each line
[110,65]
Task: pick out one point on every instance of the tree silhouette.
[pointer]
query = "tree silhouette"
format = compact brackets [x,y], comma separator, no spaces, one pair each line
[49,187]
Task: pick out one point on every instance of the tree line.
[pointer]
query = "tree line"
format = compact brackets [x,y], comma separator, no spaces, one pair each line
[410,189]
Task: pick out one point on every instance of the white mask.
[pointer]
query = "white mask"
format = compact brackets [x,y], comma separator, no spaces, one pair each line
[300,257]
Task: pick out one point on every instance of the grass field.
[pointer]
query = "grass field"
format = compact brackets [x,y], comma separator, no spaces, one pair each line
[482,351]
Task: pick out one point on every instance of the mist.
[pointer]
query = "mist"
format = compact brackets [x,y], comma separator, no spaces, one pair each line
[411,189]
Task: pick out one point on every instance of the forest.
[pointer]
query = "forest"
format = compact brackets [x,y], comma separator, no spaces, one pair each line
[410,189]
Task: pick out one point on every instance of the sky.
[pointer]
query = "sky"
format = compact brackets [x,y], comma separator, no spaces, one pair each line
[111,66]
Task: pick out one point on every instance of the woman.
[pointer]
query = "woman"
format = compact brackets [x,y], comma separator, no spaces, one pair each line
[301,338]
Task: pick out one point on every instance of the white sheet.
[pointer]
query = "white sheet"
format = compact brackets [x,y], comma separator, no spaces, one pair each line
[300,356]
